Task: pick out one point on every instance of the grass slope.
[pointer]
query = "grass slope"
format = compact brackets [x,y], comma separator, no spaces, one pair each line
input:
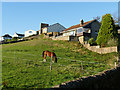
[22,65]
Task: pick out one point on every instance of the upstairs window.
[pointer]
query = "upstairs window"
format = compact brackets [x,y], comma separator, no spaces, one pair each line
[30,31]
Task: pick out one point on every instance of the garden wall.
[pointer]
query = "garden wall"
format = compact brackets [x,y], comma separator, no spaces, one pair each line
[106,79]
[61,38]
[101,50]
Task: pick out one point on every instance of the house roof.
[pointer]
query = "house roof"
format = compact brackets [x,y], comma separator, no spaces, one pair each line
[7,35]
[20,34]
[79,25]
[55,28]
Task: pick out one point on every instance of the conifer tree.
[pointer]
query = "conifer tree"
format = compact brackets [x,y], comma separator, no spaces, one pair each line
[107,30]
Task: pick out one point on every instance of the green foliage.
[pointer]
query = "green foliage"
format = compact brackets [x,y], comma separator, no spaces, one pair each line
[42,35]
[107,30]
[15,38]
[7,40]
[112,42]
[91,41]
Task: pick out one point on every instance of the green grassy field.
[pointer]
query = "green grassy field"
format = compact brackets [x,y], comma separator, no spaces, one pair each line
[23,66]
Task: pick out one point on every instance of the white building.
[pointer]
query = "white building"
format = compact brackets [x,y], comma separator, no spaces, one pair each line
[16,35]
[30,32]
[6,36]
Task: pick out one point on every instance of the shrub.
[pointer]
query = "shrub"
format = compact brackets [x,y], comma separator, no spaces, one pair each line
[6,40]
[42,35]
[15,38]
[112,42]
[91,41]
[107,30]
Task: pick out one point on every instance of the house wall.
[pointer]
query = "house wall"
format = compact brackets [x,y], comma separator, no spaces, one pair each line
[55,33]
[73,38]
[69,33]
[15,35]
[61,38]
[1,38]
[44,30]
[30,32]
[42,25]
[95,26]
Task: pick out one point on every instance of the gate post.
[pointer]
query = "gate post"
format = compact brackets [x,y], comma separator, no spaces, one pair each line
[118,49]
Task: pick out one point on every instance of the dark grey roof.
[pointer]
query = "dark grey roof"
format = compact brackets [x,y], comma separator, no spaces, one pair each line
[7,35]
[56,28]
[20,34]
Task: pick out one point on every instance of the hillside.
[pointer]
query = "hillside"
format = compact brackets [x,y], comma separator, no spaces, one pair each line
[23,66]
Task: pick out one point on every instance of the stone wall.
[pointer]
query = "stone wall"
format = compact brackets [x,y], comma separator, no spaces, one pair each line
[69,38]
[61,38]
[106,79]
[81,39]
[73,38]
[101,50]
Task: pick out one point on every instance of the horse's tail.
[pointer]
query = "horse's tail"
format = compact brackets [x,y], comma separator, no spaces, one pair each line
[55,58]
[43,54]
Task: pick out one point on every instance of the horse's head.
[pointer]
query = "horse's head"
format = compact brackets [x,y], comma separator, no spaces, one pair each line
[55,59]
[43,54]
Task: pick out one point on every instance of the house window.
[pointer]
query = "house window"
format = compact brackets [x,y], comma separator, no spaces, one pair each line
[79,30]
[45,30]
[96,31]
[30,31]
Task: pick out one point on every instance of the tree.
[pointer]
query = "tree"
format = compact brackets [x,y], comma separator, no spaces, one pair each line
[107,30]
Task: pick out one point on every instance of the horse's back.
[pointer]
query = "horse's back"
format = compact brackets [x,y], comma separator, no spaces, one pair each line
[48,53]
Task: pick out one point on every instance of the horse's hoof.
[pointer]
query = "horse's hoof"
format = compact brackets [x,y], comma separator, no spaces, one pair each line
[44,60]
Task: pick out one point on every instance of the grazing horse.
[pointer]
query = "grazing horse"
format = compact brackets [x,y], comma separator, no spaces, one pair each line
[50,54]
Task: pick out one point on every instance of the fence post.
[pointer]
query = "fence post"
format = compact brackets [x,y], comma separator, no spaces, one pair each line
[81,65]
[51,64]
[14,55]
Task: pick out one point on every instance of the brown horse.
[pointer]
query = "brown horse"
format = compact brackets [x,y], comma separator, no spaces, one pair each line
[50,54]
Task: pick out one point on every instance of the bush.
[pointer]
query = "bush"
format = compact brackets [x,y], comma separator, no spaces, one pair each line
[107,30]
[15,38]
[42,35]
[91,41]
[7,40]
[112,42]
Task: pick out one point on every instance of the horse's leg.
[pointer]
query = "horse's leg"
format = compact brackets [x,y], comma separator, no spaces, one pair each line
[44,58]
[52,59]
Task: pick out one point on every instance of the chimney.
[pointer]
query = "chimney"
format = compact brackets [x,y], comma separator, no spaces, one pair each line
[82,22]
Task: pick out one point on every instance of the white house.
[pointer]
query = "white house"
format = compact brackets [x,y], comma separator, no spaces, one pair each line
[6,36]
[16,35]
[30,32]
